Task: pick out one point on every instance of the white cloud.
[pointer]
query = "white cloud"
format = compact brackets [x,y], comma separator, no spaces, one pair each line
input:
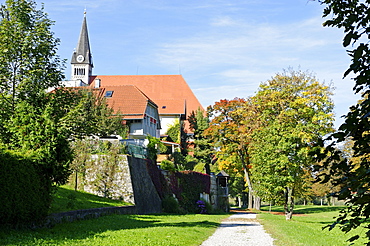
[223,21]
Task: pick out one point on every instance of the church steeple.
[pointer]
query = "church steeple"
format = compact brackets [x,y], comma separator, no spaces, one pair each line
[81,58]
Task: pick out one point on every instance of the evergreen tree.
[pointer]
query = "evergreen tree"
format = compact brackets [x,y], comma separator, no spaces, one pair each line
[202,149]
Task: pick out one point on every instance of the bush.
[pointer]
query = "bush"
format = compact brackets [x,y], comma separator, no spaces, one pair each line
[170,205]
[204,207]
[25,194]
[168,165]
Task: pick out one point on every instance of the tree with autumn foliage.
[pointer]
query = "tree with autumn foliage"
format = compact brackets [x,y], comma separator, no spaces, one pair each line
[294,111]
[232,123]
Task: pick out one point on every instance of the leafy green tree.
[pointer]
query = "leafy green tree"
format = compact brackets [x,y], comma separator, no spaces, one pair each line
[154,147]
[28,57]
[353,17]
[168,166]
[202,149]
[89,114]
[173,133]
[177,134]
[295,110]
[34,123]
[28,52]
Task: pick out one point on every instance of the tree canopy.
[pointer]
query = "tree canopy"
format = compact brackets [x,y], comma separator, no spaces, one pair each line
[202,148]
[33,121]
[353,17]
[230,128]
[294,111]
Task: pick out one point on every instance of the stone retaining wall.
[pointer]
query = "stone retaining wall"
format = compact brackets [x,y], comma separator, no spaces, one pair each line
[131,183]
[146,196]
[82,214]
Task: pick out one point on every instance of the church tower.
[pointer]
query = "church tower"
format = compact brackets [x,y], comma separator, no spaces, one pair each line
[81,62]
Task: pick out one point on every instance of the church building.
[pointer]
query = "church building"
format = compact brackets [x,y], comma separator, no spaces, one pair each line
[145,102]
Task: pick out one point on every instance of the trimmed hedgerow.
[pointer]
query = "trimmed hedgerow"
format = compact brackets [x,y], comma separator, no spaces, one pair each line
[25,195]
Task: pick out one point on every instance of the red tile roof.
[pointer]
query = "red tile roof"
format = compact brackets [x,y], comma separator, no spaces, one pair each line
[170,92]
[128,100]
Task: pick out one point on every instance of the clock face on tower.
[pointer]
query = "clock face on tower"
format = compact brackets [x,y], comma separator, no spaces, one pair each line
[80,58]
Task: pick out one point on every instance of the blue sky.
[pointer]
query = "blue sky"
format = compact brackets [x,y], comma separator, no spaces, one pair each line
[223,49]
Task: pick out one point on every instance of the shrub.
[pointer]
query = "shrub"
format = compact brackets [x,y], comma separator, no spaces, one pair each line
[168,165]
[25,194]
[170,205]
[201,207]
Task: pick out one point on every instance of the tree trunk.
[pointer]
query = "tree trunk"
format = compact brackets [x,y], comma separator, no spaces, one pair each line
[289,202]
[250,200]
[250,193]
[76,181]
[257,202]
[239,201]
[247,178]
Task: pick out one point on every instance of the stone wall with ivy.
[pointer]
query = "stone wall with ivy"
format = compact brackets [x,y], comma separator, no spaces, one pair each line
[122,177]
[110,177]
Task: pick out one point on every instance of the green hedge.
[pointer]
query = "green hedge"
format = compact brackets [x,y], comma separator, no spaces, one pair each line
[189,185]
[25,194]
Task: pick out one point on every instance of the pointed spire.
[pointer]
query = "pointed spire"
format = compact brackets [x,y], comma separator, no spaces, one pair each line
[82,54]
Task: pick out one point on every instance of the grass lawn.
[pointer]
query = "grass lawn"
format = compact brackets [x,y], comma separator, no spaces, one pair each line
[114,229]
[121,230]
[66,199]
[306,227]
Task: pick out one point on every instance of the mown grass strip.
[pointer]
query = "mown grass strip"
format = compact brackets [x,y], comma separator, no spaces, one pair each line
[306,227]
[121,230]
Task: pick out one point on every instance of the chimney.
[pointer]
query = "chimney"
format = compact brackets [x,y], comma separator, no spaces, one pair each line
[97,83]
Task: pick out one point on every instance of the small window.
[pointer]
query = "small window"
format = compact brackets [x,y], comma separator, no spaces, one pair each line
[164,106]
[109,94]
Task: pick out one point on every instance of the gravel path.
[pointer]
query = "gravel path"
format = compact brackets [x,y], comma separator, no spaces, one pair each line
[240,229]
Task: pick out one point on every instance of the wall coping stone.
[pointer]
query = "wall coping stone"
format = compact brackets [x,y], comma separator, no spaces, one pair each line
[84,214]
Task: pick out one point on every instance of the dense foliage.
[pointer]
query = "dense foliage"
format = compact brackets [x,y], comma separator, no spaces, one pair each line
[24,191]
[190,185]
[35,123]
[230,130]
[294,111]
[201,146]
[354,18]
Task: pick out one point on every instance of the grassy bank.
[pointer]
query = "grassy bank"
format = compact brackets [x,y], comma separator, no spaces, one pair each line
[66,199]
[121,230]
[306,227]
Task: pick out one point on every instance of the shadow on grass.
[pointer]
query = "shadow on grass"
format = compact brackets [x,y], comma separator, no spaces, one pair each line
[309,209]
[317,209]
[80,230]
